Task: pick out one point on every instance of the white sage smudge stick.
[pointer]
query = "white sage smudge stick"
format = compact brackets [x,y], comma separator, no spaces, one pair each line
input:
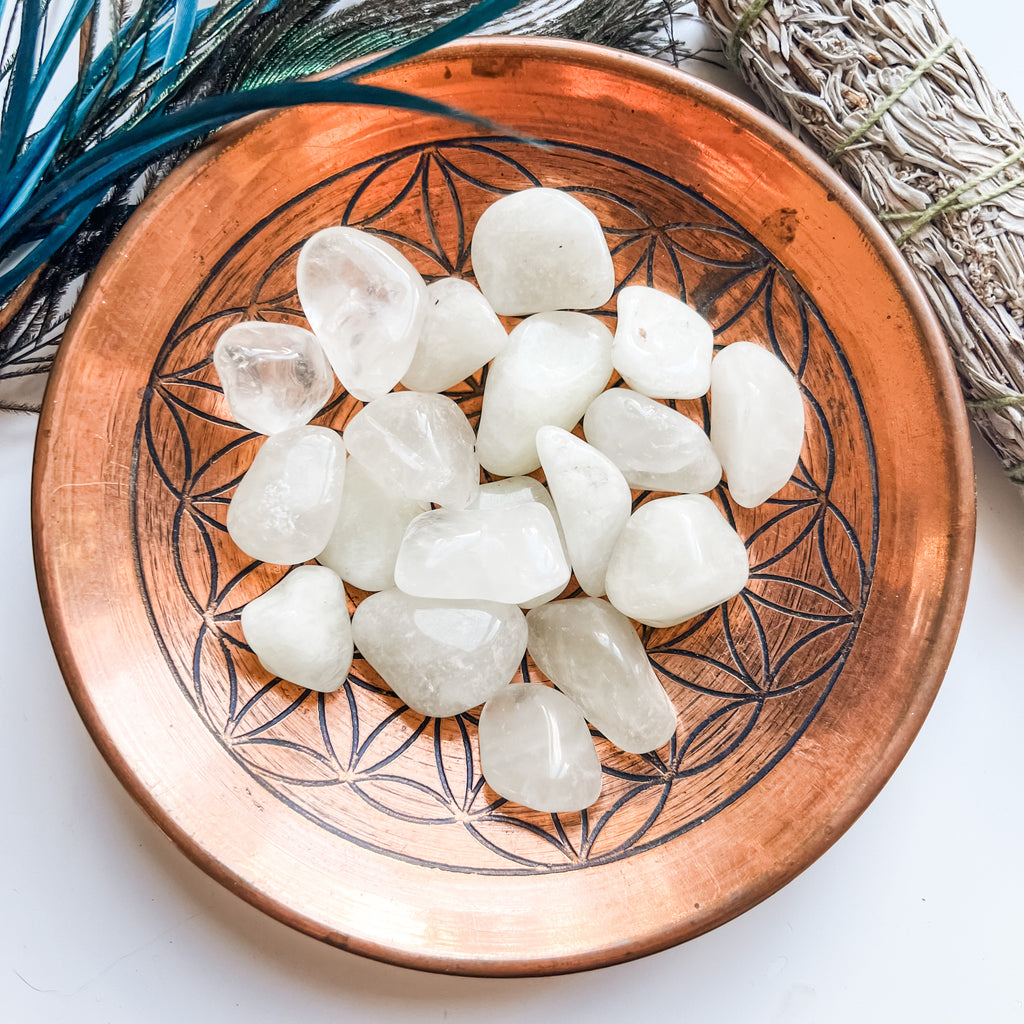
[905,114]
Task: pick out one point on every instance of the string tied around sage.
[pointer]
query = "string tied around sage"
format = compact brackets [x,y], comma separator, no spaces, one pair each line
[743,26]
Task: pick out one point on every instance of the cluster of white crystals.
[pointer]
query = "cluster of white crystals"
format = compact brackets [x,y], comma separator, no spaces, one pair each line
[463,576]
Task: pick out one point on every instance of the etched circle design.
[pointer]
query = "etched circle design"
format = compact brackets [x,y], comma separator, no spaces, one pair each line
[746,679]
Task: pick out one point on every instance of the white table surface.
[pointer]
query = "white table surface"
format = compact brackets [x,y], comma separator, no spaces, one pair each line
[915,915]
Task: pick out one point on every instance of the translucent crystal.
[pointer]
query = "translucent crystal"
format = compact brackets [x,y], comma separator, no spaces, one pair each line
[299,629]
[757,421]
[460,333]
[541,249]
[516,490]
[419,444]
[536,749]
[365,302]
[592,498]
[440,657]
[662,346]
[553,367]
[592,653]
[285,506]
[274,376]
[371,522]
[510,555]
[676,558]
[656,447]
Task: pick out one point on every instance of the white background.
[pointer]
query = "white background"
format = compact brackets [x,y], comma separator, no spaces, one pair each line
[915,915]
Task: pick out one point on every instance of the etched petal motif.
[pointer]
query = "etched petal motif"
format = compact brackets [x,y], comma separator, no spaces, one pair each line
[745,679]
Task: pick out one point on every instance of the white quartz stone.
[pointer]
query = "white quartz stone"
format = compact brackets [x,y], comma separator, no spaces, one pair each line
[440,657]
[371,522]
[419,444]
[656,447]
[517,490]
[300,630]
[592,498]
[366,303]
[285,506]
[592,653]
[541,249]
[676,558]
[274,376]
[757,421]
[662,346]
[460,333]
[510,555]
[554,366]
[536,750]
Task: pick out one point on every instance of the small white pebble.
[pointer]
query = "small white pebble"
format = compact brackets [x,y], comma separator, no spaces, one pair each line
[440,657]
[300,630]
[539,250]
[536,749]
[757,421]
[274,376]
[676,557]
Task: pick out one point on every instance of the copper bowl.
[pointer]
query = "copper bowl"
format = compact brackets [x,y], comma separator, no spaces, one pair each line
[360,822]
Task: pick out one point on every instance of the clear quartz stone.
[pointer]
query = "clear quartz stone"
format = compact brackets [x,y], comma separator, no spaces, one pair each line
[656,447]
[371,522]
[285,506]
[536,749]
[440,657]
[593,502]
[420,444]
[366,303]
[662,346]
[274,376]
[517,490]
[509,555]
[554,366]
[300,629]
[592,653]
[757,421]
[539,250]
[460,333]
[676,557]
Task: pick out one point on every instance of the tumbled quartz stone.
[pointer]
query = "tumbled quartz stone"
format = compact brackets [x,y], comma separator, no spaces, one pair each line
[419,444]
[366,303]
[592,653]
[300,630]
[371,522]
[274,376]
[516,490]
[554,366]
[593,502]
[757,421]
[676,557]
[440,657]
[662,346]
[285,506]
[536,750]
[539,250]
[656,447]
[460,334]
[510,555]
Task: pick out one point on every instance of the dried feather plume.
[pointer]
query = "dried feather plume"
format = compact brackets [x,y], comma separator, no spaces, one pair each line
[905,114]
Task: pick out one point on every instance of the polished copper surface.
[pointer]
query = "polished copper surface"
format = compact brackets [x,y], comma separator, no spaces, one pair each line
[362,823]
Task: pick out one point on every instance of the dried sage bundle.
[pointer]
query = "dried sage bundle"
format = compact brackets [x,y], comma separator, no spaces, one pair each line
[904,113]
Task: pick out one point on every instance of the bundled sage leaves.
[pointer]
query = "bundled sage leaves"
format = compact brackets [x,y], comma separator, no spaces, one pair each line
[902,110]
[158,78]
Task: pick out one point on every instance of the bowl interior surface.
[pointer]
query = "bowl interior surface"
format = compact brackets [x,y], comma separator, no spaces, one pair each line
[366,824]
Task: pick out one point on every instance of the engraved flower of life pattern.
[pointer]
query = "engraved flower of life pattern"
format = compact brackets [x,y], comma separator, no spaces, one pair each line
[746,679]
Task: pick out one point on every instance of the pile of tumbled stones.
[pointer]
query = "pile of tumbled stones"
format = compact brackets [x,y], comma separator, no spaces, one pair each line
[395,505]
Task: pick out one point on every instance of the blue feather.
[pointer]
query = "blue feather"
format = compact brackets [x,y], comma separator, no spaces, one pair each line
[15,114]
